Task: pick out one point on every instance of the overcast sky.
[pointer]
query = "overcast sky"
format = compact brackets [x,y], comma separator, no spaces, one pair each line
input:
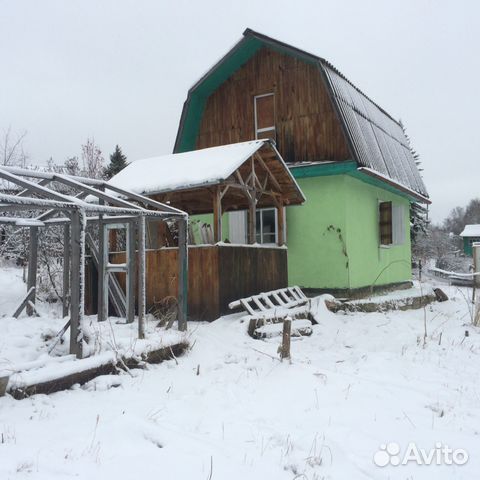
[119,71]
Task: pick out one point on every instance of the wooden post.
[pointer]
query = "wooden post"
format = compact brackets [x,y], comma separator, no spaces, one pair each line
[77,282]
[217,216]
[32,268]
[281,224]
[130,280]
[66,269]
[476,281]
[102,303]
[182,273]
[252,220]
[287,331]
[141,277]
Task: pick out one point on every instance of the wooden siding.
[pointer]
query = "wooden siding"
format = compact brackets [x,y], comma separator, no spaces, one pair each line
[217,275]
[307,127]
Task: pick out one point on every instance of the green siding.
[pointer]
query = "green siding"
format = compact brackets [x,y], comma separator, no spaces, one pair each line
[315,252]
[369,263]
[467,244]
[196,220]
[333,238]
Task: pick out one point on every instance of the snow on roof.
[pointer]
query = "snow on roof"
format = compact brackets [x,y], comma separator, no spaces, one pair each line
[208,166]
[471,231]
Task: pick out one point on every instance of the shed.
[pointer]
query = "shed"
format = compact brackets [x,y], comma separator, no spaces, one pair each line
[470,235]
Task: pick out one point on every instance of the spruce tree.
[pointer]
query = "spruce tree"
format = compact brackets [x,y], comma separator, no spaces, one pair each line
[118,161]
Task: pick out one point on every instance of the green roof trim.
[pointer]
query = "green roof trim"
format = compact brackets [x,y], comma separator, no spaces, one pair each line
[381,184]
[346,167]
[323,169]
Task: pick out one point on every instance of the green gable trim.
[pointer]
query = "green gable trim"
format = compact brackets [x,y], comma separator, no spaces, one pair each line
[323,169]
[229,64]
[207,85]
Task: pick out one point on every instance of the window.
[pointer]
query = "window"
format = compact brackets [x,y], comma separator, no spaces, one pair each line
[391,223]
[266,225]
[264,110]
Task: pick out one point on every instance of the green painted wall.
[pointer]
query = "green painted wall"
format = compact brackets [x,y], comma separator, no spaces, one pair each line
[369,263]
[196,220]
[315,252]
[467,244]
[333,239]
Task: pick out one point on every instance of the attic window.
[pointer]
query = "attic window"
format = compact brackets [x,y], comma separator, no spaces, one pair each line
[391,223]
[264,110]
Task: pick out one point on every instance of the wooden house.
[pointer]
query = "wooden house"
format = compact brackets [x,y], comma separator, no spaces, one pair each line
[350,157]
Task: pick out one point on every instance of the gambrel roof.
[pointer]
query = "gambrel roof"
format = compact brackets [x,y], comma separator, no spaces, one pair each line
[376,140]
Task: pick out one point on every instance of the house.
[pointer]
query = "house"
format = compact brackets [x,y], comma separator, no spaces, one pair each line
[470,235]
[350,158]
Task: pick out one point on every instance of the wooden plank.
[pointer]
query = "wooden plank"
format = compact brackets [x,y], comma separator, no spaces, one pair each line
[182,286]
[130,291]
[141,277]
[66,270]
[217,215]
[25,302]
[32,267]
[77,283]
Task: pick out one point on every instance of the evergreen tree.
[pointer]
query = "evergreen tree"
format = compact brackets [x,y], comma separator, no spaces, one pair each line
[418,214]
[118,161]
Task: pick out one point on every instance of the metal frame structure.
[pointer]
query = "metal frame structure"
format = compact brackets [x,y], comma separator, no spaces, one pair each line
[122,209]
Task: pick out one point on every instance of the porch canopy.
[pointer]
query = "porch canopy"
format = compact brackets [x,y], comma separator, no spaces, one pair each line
[239,176]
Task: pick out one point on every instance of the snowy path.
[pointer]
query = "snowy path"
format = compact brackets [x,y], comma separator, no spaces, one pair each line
[359,381]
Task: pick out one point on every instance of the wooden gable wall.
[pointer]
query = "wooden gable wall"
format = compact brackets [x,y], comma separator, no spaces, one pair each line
[307,128]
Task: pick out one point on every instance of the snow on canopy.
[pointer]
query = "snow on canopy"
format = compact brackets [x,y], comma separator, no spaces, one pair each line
[471,231]
[208,166]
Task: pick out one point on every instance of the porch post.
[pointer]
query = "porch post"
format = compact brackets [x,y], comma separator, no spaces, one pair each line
[182,273]
[252,221]
[217,216]
[281,224]
[77,281]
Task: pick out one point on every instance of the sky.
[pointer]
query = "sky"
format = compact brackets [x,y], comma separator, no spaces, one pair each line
[119,71]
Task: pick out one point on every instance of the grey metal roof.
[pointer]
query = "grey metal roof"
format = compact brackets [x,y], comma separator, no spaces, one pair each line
[377,140]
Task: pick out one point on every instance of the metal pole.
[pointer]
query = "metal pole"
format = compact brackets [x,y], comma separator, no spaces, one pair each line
[32,267]
[66,269]
[77,282]
[182,274]
[141,277]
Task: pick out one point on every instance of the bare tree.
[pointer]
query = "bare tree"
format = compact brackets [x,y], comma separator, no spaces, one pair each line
[12,152]
[93,161]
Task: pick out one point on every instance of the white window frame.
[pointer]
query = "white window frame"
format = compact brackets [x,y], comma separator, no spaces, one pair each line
[261,211]
[264,129]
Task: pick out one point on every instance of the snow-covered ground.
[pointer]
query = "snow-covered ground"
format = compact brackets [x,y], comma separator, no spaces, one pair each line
[231,410]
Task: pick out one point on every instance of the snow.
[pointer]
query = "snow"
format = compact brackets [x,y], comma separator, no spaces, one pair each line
[184,170]
[471,231]
[231,409]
